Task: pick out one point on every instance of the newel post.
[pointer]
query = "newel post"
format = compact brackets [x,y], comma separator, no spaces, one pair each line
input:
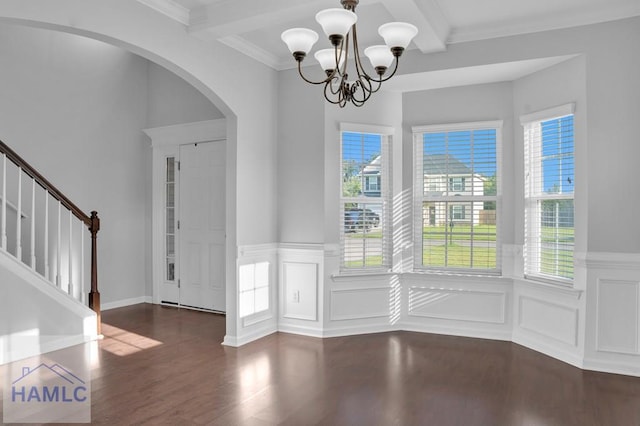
[94,295]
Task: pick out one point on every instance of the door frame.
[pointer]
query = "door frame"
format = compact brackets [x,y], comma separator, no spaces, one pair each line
[165,142]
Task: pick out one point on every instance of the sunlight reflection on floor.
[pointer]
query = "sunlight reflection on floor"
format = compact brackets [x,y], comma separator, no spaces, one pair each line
[122,342]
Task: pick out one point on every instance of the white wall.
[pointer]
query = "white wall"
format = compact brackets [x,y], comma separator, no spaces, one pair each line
[36,316]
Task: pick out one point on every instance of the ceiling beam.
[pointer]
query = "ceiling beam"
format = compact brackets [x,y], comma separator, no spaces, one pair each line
[434,29]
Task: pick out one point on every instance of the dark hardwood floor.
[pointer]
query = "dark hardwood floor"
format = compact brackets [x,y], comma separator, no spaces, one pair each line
[165,366]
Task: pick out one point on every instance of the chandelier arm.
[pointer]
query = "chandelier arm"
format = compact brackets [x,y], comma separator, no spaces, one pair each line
[370,90]
[354,99]
[358,62]
[314,82]
[326,96]
[344,50]
[366,91]
[337,90]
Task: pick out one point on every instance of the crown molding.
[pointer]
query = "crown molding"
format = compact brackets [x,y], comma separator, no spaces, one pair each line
[169,8]
[544,23]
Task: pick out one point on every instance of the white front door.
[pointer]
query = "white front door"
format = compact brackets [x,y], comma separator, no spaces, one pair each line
[202,226]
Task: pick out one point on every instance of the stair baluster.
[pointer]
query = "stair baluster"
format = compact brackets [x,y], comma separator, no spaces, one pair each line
[74,287]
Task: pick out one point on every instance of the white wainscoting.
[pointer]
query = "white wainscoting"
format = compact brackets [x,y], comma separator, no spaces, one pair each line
[617,316]
[613,311]
[299,290]
[457,304]
[473,306]
[594,325]
[548,319]
[301,268]
[360,303]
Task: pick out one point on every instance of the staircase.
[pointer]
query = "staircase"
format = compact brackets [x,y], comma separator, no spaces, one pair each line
[49,295]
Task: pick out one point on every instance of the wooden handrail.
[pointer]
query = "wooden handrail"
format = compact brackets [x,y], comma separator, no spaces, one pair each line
[92,222]
[44,183]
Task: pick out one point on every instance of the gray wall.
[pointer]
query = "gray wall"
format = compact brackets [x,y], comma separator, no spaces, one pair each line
[562,84]
[300,160]
[172,101]
[611,63]
[74,108]
[466,104]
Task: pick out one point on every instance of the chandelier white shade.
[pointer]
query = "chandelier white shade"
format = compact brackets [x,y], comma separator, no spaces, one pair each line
[339,25]
[397,34]
[327,59]
[379,55]
[299,39]
[336,21]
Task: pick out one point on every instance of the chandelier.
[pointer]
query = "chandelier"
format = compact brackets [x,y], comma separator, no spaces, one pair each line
[340,27]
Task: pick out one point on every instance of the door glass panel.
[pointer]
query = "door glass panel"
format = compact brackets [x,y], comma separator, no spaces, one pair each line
[170,219]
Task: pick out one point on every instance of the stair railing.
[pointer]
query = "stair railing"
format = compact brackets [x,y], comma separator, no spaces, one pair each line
[39,237]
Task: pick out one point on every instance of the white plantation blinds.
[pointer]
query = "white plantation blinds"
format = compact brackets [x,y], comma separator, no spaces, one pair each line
[456,196]
[365,200]
[549,193]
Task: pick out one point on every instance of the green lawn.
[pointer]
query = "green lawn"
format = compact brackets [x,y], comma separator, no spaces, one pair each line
[456,252]
[550,234]
[459,256]
[370,261]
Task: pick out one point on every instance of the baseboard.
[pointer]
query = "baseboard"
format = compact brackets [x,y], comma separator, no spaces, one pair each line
[457,331]
[300,330]
[359,329]
[31,346]
[615,367]
[126,302]
[549,350]
[336,332]
[236,341]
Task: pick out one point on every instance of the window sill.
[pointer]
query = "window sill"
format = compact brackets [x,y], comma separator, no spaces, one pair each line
[466,273]
[555,287]
[345,275]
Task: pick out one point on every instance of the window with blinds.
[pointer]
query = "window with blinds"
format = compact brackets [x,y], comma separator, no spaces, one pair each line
[549,194]
[456,187]
[365,201]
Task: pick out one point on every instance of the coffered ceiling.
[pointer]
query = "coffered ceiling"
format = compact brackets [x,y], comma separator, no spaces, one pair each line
[253,27]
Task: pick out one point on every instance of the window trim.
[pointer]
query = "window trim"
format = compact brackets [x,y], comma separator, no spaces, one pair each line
[418,196]
[547,114]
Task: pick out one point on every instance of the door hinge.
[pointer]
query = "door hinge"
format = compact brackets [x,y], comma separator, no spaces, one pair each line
[178,283]
[178,224]
[178,165]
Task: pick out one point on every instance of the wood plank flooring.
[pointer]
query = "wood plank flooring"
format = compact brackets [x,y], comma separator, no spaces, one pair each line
[166,366]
